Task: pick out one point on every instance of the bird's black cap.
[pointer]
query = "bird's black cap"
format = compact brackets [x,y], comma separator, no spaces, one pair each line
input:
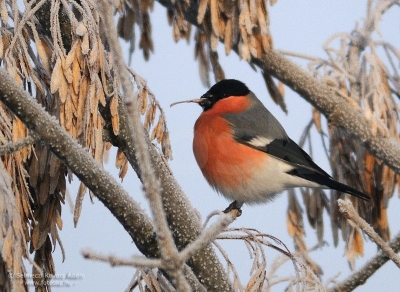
[223,89]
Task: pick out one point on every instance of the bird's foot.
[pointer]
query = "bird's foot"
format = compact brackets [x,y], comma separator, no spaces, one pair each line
[234,206]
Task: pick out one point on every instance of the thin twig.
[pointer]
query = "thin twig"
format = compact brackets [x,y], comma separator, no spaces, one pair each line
[18,145]
[347,209]
[136,261]
[301,56]
[142,263]
[209,234]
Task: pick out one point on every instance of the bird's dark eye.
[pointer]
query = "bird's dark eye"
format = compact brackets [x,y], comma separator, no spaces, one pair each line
[206,103]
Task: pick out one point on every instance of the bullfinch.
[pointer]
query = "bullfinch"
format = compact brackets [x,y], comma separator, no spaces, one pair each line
[245,154]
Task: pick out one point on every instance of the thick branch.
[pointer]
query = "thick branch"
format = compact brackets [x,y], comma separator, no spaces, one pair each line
[90,172]
[44,15]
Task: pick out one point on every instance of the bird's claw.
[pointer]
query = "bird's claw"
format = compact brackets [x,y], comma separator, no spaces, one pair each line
[234,206]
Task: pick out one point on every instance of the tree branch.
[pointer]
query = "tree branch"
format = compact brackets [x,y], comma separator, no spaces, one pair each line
[209,234]
[347,209]
[144,263]
[90,172]
[137,139]
[18,145]
[136,261]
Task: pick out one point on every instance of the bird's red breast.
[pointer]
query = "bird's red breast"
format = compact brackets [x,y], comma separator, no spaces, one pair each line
[226,164]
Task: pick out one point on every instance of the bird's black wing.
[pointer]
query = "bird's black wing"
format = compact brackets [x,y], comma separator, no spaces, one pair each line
[304,167]
[289,151]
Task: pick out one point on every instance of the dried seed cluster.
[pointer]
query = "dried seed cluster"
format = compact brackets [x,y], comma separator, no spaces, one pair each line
[136,12]
[241,25]
[57,52]
[356,71]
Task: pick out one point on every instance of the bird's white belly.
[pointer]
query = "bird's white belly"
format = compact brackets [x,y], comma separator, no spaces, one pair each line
[265,183]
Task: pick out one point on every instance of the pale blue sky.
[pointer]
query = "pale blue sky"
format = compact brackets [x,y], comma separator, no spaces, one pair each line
[172,74]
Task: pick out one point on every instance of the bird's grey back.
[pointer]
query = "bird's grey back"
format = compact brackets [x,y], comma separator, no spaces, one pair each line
[256,121]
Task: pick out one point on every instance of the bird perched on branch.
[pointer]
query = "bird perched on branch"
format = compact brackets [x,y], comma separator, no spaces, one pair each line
[245,154]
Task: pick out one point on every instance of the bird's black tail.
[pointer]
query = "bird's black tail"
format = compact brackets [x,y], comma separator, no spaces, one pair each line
[346,189]
[325,180]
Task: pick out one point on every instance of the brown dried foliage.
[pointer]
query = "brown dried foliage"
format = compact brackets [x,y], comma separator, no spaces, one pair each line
[243,25]
[276,92]
[355,166]
[73,78]
[12,236]
[150,280]
[295,224]
[136,12]
[356,72]
[260,278]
